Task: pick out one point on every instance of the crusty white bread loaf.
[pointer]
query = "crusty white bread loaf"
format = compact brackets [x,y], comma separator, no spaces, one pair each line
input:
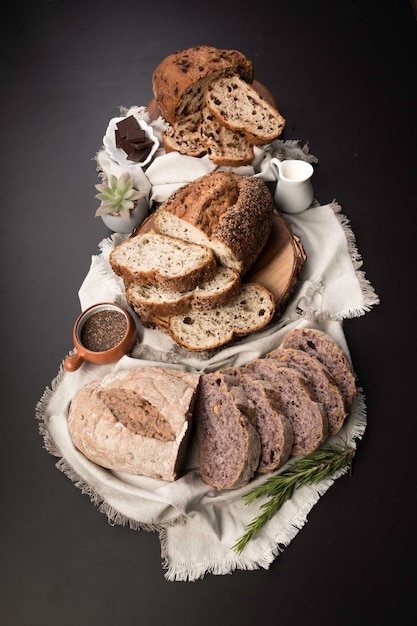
[274,428]
[228,444]
[322,347]
[229,213]
[170,262]
[180,80]
[154,300]
[325,391]
[223,145]
[296,401]
[252,309]
[237,105]
[135,421]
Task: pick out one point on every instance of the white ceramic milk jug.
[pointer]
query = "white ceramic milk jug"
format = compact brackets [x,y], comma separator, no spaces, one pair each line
[294,191]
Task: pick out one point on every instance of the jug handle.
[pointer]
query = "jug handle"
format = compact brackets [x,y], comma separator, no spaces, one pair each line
[275,165]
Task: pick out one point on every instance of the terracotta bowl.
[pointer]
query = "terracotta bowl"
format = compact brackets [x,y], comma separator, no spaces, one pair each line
[102,334]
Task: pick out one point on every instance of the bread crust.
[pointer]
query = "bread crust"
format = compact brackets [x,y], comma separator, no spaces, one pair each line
[157,275]
[99,430]
[185,69]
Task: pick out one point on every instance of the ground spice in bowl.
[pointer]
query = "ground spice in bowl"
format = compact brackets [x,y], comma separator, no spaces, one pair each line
[103,330]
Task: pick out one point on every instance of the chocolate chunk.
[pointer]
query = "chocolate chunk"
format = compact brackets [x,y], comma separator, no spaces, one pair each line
[129,123]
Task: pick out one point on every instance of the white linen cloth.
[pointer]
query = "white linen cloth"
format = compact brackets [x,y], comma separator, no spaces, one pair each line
[198,525]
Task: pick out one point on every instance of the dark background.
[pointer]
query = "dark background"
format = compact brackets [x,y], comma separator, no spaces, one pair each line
[344,74]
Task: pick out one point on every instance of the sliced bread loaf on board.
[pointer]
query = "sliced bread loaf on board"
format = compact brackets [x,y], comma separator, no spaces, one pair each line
[135,421]
[180,80]
[322,347]
[167,261]
[153,300]
[325,391]
[296,401]
[249,311]
[228,444]
[237,105]
[274,428]
[229,213]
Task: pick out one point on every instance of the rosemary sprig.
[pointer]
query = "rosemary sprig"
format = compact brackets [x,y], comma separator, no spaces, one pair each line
[308,470]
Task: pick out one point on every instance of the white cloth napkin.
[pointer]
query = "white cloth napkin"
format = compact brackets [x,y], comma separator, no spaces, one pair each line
[198,525]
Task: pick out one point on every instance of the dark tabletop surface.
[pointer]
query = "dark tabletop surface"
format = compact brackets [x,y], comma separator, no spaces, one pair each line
[344,74]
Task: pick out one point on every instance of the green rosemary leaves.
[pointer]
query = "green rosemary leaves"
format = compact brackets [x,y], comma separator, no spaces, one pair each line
[308,470]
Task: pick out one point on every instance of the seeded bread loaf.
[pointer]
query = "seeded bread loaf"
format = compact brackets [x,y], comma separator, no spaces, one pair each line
[180,80]
[296,401]
[229,213]
[274,428]
[170,262]
[153,300]
[322,347]
[135,421]
[237,105]
[325,391]
[228,444]
[249,311]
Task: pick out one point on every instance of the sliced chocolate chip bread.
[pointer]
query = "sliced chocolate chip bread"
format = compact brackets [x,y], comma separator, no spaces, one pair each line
[237,105]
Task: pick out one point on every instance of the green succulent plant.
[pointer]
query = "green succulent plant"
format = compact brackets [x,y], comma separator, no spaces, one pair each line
[118,196]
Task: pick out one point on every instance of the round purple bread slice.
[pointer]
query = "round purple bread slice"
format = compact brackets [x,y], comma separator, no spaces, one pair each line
[274,428]
[296,402]
[326,392]
[228,444]
[322,347]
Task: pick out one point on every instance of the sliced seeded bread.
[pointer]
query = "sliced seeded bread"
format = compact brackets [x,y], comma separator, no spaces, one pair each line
[229,213]
[228,444]
[323,348]
[274,428]
[152,300]
[249,311]
[170,262]
[237,105]
[326,392]
[296,401]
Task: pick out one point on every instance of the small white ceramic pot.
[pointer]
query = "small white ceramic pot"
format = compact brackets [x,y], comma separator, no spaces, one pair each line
[119,224]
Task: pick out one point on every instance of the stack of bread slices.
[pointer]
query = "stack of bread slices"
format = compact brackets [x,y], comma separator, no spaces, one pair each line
[252,419]
[208,97]
[184,268]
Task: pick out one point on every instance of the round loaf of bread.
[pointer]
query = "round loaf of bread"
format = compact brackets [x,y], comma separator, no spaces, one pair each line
[135,421]
[229,213]
[179,81]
